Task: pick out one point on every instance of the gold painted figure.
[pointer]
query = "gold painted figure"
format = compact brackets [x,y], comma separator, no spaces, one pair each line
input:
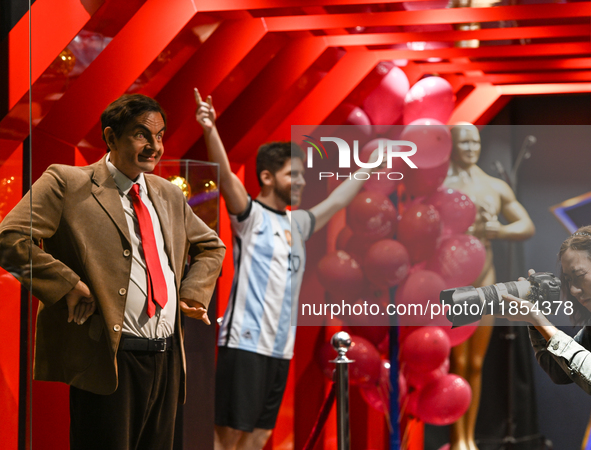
[492,197]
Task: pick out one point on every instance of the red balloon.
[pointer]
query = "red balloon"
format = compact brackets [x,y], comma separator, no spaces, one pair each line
[444,401]
[420,290]
[459,334]
[385,180]
[418,230]
[353,244]
[459,259]
[433,141]
[420,379]
[455,208]
[431,97]
[384,105]
[372,216]
[386,263]
[425,349]
[368,364]
[421,182]
[341,275]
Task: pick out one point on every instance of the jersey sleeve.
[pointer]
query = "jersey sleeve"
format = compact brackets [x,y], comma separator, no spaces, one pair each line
[248,221]
[305,221]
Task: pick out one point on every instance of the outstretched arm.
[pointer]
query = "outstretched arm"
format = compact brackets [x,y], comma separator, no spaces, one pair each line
[231,187]
[340,197]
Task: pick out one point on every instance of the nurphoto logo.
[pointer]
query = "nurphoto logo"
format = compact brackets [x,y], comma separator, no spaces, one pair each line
[387,148]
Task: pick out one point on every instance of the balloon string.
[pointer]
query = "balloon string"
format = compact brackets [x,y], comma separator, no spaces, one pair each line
[384,399]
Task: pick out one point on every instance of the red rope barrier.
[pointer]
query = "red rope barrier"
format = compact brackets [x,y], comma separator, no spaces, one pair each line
[321,419]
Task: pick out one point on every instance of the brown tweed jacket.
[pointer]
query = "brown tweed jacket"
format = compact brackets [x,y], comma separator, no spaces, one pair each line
[78,217]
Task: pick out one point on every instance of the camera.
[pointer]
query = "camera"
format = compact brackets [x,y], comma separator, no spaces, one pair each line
[465,305]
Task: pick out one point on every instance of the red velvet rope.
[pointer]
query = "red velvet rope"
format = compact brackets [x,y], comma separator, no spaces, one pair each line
[321,419]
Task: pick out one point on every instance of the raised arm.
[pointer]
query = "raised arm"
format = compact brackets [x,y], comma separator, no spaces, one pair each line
[231,187]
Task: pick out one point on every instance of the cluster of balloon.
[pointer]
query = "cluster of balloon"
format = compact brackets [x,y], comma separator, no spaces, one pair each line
[433,394]
[418,245]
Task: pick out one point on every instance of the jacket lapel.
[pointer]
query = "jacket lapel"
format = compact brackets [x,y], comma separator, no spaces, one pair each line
[106,193]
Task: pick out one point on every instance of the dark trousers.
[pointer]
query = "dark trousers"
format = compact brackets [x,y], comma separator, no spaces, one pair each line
[139,415]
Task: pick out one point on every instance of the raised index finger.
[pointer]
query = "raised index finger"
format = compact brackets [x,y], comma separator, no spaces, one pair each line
[197,96]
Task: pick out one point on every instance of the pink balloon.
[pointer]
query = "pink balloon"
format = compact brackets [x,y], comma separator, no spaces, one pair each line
[384,105]
[422,182]
[425,349]
[420,379]
[459,334]
[444,447]
[387,180]
[444,401]
[420,289]
[433,141]
[386,263]
[372,215]
[368,364]
[418,230]
[459,259]
[456,210]
[357,117]
[431,97]
[341,275]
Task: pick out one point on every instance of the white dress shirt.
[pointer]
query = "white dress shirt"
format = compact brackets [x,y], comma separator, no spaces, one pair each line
[136,321]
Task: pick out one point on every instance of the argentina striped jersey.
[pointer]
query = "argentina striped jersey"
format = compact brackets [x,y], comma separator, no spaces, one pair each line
[269,261]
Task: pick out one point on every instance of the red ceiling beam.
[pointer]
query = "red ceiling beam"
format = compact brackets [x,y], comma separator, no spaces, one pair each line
[214,60]
[52,29]
[542,89]
[328,93]
[476,104]
[432,16]
[116,68]
[497,51]
[267,89]
[238,5]
[485,34]
[485,99]
[530,77]
[507,66]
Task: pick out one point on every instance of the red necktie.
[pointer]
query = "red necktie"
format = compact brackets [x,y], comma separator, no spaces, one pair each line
[156,283]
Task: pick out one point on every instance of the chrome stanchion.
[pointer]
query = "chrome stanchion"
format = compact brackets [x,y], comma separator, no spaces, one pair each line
[341,342]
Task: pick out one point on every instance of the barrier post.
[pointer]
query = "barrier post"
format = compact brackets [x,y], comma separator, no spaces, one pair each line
[341,342]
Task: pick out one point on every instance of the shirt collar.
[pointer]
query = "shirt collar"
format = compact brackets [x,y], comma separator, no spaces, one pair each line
[122,181]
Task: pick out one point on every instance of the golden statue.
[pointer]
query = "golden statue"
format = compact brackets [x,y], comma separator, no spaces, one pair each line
[492,198]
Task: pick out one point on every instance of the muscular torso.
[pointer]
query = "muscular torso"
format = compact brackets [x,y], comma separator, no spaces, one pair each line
[480,188]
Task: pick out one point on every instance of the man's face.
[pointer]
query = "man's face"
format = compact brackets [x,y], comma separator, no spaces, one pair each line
[289,182]
[466,146]
[139,148]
